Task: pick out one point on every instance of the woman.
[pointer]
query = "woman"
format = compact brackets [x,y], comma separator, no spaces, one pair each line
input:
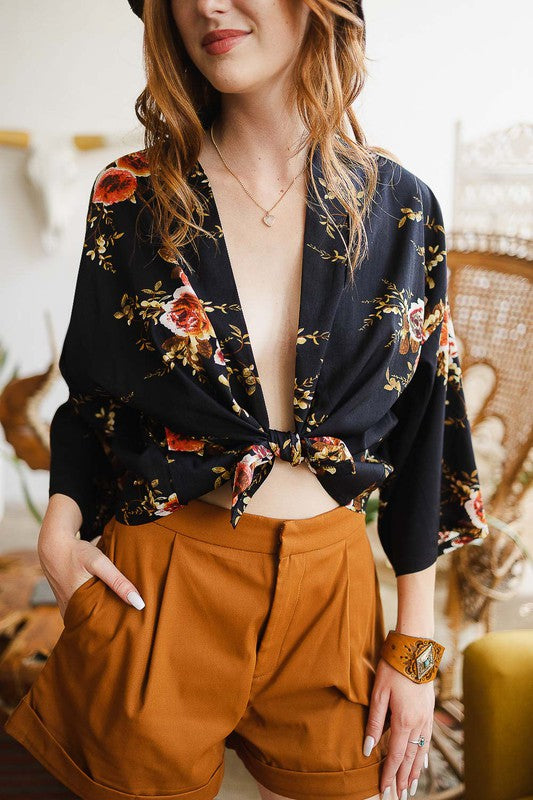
[208,613]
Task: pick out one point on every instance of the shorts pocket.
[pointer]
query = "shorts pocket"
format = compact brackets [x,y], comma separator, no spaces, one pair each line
[365,618]
[74,609]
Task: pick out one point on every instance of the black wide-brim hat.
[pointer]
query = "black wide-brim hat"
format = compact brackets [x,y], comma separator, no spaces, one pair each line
[137,8]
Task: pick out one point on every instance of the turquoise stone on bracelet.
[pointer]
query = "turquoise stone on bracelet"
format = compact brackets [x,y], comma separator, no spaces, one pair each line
[425,661]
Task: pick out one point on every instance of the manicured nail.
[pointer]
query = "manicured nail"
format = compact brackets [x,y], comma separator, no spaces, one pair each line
[404,795]
[386,794]
[368,745]
[426,761]
[413,787]
[135,599]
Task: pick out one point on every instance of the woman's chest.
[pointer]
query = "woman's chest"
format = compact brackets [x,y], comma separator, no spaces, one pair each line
[265,266]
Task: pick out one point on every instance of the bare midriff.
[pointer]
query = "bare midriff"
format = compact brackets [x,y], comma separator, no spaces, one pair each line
[266,264]
[288,492]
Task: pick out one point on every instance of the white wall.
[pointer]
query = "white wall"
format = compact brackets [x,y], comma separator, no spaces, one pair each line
[74,66]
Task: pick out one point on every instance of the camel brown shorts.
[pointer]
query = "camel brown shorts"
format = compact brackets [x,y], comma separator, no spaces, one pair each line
[264,638]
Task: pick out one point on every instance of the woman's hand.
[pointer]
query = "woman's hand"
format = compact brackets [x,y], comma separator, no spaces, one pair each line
[411,716]
[67,562]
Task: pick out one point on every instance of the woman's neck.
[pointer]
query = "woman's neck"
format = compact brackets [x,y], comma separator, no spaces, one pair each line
[257,146]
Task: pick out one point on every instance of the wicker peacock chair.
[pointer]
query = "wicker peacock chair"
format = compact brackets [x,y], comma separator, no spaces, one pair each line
[492,307]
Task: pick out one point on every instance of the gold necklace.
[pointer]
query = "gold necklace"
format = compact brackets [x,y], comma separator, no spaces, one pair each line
[268,217]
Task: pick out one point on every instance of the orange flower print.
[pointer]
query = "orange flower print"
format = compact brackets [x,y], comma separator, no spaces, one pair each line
[451,540]
[410,331]
[473,526]
[193,337]
[185,316]
[443,341]
[412,327]
[219,356]
[114,186]
[447,351]
[244,471]
[136,163]
[475,510]
[452,343]
[164,507]
[180,443]
[242,478]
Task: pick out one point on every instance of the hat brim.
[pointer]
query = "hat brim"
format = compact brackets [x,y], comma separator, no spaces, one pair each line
[137,8]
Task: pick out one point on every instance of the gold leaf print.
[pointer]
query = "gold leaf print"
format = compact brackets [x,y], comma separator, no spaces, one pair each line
[393,384]
[432,225]
[329,256]
[127,304]
[313,421]
[437,256]
[242,338]
[246,376]
[145,344]
[408,213]
[313,337]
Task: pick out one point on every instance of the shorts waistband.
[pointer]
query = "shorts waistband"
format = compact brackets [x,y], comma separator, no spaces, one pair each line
[255,532]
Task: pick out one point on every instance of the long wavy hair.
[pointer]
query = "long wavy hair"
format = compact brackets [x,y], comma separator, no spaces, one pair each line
[178,103]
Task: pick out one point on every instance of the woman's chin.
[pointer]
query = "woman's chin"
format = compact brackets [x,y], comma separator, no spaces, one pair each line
[234,80]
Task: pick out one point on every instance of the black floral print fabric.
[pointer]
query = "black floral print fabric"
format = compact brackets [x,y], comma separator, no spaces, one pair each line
[165,401]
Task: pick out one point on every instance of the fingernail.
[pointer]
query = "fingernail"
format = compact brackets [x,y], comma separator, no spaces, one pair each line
[135,599]
[404,795]
[386,794]
[413,787]
[426,761]
[368,745]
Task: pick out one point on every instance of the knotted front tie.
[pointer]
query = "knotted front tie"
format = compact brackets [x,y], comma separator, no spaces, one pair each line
[286,445]
[325,456]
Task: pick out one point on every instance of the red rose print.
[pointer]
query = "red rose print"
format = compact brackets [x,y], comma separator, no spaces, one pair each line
[167,507]
[416,324]
[184,315]
[184,444]
[114,186]
[136,163]
[243,476]
[475,510]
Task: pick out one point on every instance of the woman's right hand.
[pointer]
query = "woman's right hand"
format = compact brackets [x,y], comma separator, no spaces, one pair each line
[67,562]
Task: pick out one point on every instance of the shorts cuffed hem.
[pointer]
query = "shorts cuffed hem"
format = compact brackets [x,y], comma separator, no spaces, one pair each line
[26,727]
[355,784]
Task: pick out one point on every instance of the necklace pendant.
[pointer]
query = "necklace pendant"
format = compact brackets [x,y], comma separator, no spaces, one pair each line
[268,219]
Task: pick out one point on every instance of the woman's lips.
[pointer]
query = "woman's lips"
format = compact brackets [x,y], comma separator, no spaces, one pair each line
[225,44]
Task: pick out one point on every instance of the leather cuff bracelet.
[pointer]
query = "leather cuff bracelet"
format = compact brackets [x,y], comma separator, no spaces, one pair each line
[413,656]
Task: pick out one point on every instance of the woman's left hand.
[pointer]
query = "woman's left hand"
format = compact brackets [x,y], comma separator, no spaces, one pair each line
[411,715]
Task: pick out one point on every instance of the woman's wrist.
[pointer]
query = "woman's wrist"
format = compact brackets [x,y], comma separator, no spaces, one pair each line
[416,627]
[61,523]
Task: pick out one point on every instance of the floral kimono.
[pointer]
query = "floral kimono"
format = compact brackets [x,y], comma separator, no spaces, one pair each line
[165,401]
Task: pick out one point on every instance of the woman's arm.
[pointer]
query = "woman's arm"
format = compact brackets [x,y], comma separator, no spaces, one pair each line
[429,504]
[411,704]
[82,481]
[416,597]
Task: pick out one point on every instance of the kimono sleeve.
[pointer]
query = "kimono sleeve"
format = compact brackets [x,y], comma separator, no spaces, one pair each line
[431,502]
[81,464]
